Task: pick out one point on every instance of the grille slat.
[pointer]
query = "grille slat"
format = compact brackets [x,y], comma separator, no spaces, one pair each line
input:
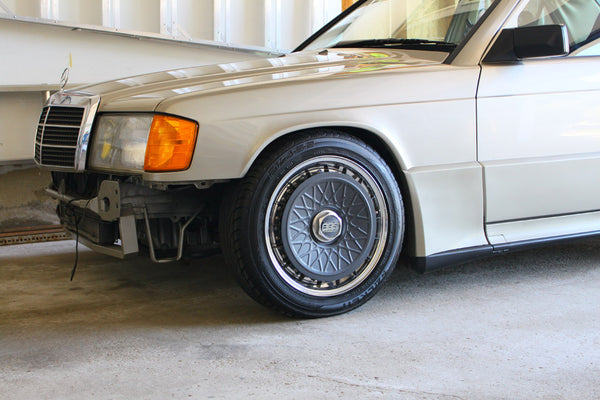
[57,135]
[60,157]
[70,116]
[61,136]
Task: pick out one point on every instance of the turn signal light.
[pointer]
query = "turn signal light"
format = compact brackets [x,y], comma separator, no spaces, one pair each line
[171,144]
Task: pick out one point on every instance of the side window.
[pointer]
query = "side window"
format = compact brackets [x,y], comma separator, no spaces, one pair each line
[582,18]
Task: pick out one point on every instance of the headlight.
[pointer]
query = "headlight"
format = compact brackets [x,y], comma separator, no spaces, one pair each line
[142,142]
[119,142]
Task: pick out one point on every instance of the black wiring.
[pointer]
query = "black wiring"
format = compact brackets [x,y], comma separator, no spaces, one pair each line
[77,223]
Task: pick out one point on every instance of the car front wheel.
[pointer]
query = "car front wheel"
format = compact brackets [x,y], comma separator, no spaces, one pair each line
[316,226]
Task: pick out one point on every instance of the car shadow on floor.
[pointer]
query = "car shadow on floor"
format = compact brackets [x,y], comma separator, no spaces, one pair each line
[568,260]
[36,292]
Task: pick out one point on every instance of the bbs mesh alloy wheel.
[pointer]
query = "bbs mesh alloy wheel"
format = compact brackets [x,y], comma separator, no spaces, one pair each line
[316,226]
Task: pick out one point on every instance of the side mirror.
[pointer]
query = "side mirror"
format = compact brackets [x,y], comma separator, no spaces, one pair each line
[529,42]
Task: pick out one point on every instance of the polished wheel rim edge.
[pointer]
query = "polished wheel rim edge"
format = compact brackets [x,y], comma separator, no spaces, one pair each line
[319,288]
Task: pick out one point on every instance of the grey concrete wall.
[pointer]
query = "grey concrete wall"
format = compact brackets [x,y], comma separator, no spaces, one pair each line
[19,116]
[23,200]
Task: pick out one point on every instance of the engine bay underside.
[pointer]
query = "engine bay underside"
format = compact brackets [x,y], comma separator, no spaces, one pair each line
[121,217]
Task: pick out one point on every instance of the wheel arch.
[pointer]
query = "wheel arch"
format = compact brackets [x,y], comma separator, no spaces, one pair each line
[371,137]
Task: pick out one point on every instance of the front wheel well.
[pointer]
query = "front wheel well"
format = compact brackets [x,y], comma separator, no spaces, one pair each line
[384,151]
[317,224]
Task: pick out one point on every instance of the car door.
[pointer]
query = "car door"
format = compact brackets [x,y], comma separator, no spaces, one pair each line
[539,131]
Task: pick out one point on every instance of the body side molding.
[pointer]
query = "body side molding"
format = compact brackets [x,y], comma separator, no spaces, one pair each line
[438,261]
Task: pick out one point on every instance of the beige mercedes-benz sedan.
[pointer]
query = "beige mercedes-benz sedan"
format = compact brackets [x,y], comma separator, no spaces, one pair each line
[441,130]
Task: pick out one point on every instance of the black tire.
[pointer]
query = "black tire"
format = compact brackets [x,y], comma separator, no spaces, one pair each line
[315,227]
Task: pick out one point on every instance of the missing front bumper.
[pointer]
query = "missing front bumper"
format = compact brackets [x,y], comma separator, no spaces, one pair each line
[100,223]
[123,216]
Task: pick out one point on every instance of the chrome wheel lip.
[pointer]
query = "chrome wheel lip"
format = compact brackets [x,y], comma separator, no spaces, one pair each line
[340,286]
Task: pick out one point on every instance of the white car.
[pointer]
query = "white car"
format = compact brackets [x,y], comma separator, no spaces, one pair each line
[443,130]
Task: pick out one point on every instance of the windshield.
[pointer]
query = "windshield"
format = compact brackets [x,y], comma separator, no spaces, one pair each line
[421,24]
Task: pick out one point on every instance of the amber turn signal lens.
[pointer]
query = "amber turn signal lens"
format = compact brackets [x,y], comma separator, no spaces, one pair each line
[171,144]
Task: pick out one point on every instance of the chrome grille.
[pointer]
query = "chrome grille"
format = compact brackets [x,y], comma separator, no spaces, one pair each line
[57,136]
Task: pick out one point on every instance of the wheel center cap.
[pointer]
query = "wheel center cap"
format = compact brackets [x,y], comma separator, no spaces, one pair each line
[327,226]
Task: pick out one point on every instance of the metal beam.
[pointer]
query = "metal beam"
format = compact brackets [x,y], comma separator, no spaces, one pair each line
[272,23]
[33,234]
[318,14]
[49,9]
[111,13]
[168,17]
[222,13]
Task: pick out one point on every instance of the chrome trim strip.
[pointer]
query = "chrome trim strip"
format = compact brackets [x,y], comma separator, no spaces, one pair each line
[566,44]
[40,133]
[58,146]
[62,126]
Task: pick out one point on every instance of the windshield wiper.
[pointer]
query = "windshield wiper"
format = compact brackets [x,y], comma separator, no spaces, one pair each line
[394,42]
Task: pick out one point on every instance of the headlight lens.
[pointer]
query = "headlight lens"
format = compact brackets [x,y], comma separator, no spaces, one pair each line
[143,142]
[119,142]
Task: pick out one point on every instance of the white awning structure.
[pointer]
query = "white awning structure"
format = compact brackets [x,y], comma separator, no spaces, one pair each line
[109,39]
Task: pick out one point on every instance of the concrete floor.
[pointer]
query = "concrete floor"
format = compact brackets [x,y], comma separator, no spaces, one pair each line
[524,326]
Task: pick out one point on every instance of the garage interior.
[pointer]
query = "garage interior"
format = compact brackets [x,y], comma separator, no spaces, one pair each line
[521,326]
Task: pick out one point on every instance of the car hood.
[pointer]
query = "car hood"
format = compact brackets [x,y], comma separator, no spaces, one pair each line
[146,92]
